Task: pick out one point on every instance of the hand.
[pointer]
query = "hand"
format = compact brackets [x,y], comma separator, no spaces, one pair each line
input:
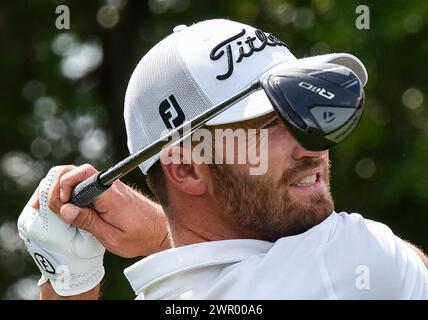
[122,219]
[70,258]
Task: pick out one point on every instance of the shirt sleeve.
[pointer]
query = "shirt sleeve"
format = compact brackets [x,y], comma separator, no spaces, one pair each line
[365,260]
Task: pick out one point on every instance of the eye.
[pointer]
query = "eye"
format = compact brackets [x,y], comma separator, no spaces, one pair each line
[271,124]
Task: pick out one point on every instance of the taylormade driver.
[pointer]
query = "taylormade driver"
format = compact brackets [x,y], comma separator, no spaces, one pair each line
[320,105]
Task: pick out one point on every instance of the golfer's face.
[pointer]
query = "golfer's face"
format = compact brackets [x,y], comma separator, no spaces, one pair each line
[304,174]
[291,196]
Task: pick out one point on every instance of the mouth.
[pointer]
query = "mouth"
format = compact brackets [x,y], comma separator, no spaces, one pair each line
[310,180]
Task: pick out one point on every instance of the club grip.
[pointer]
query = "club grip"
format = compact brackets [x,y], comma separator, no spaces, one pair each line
[87,191]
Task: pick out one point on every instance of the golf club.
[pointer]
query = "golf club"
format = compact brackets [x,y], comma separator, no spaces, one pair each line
[320,104]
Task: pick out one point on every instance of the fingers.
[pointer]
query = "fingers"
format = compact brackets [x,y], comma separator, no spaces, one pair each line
[89,220]
[66,179]
[72,178]
[69,213]
[54,201]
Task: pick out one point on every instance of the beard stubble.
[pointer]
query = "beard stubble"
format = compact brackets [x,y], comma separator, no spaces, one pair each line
[268,208]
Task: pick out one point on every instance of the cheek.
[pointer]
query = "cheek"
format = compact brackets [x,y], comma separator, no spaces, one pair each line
[280,150]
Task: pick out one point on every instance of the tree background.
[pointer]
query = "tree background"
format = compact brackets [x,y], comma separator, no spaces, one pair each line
[62,92]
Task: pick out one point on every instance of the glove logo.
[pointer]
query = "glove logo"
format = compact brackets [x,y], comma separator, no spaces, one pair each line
[44,263]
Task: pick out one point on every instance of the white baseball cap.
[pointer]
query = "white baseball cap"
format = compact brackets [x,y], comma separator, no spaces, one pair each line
[199,66]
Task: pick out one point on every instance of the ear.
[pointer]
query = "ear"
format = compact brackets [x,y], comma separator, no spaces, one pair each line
[181,173]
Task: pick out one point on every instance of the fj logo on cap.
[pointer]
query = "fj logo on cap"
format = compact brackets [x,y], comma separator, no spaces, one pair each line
[264,40]
[171,113]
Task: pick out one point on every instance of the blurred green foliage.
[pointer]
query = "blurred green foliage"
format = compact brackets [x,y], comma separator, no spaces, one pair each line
[61,97]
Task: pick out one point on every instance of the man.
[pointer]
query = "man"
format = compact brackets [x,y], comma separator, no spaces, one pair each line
[219,232]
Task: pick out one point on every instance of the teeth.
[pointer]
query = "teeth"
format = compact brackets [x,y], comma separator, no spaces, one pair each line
[307,180]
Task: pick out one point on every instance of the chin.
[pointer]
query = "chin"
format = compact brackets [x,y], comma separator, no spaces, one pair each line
[304,215]
[316,213]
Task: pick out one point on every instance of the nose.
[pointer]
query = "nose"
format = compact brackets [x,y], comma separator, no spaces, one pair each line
[299,152]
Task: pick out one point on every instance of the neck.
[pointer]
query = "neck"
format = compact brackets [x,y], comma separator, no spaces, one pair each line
[190,224]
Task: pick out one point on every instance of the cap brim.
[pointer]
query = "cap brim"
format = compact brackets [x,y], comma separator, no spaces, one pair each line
[257,104]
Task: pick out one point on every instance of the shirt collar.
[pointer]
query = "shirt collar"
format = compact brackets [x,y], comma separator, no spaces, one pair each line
[171,262]
[176,260]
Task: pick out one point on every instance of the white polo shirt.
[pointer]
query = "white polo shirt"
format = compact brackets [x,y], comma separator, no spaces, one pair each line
[344,257]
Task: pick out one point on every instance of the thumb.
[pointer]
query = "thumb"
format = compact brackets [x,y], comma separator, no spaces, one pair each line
[89,220]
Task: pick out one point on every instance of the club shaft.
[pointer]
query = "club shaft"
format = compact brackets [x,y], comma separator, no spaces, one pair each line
[128,164]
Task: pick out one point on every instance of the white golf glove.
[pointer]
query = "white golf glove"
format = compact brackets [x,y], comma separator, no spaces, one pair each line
[69,257]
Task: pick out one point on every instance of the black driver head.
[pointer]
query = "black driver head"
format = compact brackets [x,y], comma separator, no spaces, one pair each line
[320,105]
